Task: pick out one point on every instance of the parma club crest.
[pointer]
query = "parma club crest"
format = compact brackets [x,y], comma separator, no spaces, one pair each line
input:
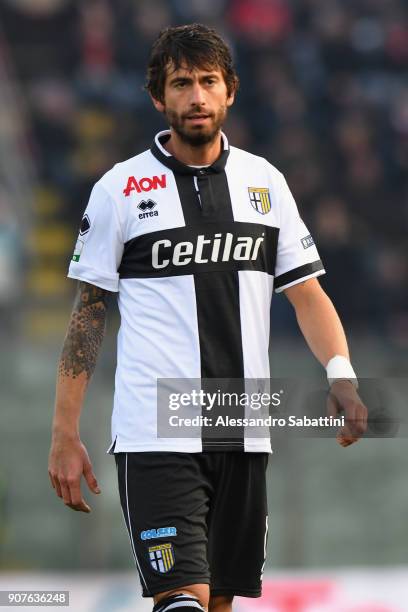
[161,557]
[260,199]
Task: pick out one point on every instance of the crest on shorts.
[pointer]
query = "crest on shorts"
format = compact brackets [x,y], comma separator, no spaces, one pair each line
[161,557]
[260,199]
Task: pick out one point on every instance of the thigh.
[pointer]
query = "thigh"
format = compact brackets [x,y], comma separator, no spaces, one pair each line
[238,525]
[165,501]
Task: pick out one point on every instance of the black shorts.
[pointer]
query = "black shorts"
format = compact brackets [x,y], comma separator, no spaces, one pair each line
[196,518]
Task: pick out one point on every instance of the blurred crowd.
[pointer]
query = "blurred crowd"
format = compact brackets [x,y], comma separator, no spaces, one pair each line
[324,97]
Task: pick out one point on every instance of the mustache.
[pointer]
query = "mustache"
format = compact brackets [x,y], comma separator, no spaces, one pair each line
[197,111]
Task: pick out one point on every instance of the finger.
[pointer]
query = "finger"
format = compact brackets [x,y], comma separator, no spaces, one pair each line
[91,479]
[72,498]
[344,442]
[356,419]
[76,495]
[65,494]
[350,410]
[350,442]
[51,480]
[80,507]
[365,416]
[345,435]
[358,422]
[362,415]
[57,486]
[331,406]
[347,431]
[77,502]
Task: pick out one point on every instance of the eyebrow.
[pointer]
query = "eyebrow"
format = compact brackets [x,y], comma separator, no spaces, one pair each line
[212,75]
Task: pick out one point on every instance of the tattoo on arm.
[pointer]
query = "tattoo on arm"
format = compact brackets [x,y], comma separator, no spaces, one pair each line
[85,332]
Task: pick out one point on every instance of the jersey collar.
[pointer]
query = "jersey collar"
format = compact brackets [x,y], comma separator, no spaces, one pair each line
[177,166]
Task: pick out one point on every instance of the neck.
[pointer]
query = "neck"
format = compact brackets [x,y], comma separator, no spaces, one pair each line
[204,155]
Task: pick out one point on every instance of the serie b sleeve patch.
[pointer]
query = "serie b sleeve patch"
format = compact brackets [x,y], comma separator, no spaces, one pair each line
[83,235]
[85,225]
[78,250]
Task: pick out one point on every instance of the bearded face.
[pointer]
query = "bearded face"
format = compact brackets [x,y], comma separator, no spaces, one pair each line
[197,126]
[195,104]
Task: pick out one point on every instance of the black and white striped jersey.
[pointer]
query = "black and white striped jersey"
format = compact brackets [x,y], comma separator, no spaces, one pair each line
[194,254]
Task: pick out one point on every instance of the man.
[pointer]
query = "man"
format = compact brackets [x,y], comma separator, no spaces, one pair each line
[193,235]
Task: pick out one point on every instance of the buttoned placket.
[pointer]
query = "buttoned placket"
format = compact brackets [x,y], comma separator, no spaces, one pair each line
[205,193]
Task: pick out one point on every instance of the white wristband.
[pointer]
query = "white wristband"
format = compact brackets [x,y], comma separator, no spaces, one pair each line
[339,368]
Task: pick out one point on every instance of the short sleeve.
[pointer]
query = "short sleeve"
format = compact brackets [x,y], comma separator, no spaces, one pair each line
[99,248]
[297,256]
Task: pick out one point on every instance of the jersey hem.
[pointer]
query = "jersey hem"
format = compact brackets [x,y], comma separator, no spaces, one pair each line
[88,275]
[239,592]
[253,448]
[179,584]
[300,280]
[146,448]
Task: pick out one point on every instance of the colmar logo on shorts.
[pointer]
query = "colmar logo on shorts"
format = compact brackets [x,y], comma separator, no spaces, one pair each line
[162,557]
[161,532]
[145,184]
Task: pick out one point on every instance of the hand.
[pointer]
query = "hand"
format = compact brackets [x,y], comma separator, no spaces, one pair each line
[68,461]
[344,397]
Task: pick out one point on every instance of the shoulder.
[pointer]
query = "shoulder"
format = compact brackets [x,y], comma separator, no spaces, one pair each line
[115,180]
[241,157]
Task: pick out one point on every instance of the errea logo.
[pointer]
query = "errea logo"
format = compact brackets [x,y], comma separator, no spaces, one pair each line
[147,207]
[144,184]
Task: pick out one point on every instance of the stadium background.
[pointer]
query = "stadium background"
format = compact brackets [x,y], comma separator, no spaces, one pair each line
[324,96]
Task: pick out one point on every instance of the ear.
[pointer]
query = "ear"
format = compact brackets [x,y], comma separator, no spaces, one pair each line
[231,98]
[159,106]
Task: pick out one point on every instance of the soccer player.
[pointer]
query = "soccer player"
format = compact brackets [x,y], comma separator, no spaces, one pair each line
[194,235]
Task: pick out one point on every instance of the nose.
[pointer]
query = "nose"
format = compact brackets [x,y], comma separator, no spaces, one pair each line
[197,95]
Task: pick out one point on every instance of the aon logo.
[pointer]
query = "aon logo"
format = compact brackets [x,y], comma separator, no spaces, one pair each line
[144,184]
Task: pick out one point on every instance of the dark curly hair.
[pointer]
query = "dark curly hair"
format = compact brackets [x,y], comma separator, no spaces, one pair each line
[194,45]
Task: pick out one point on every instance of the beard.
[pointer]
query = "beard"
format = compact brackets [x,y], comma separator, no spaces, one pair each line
[196,135]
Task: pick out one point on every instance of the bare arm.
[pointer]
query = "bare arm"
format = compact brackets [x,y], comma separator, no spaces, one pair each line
[83,340]
[68,458]
[318,320]
[324,333]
